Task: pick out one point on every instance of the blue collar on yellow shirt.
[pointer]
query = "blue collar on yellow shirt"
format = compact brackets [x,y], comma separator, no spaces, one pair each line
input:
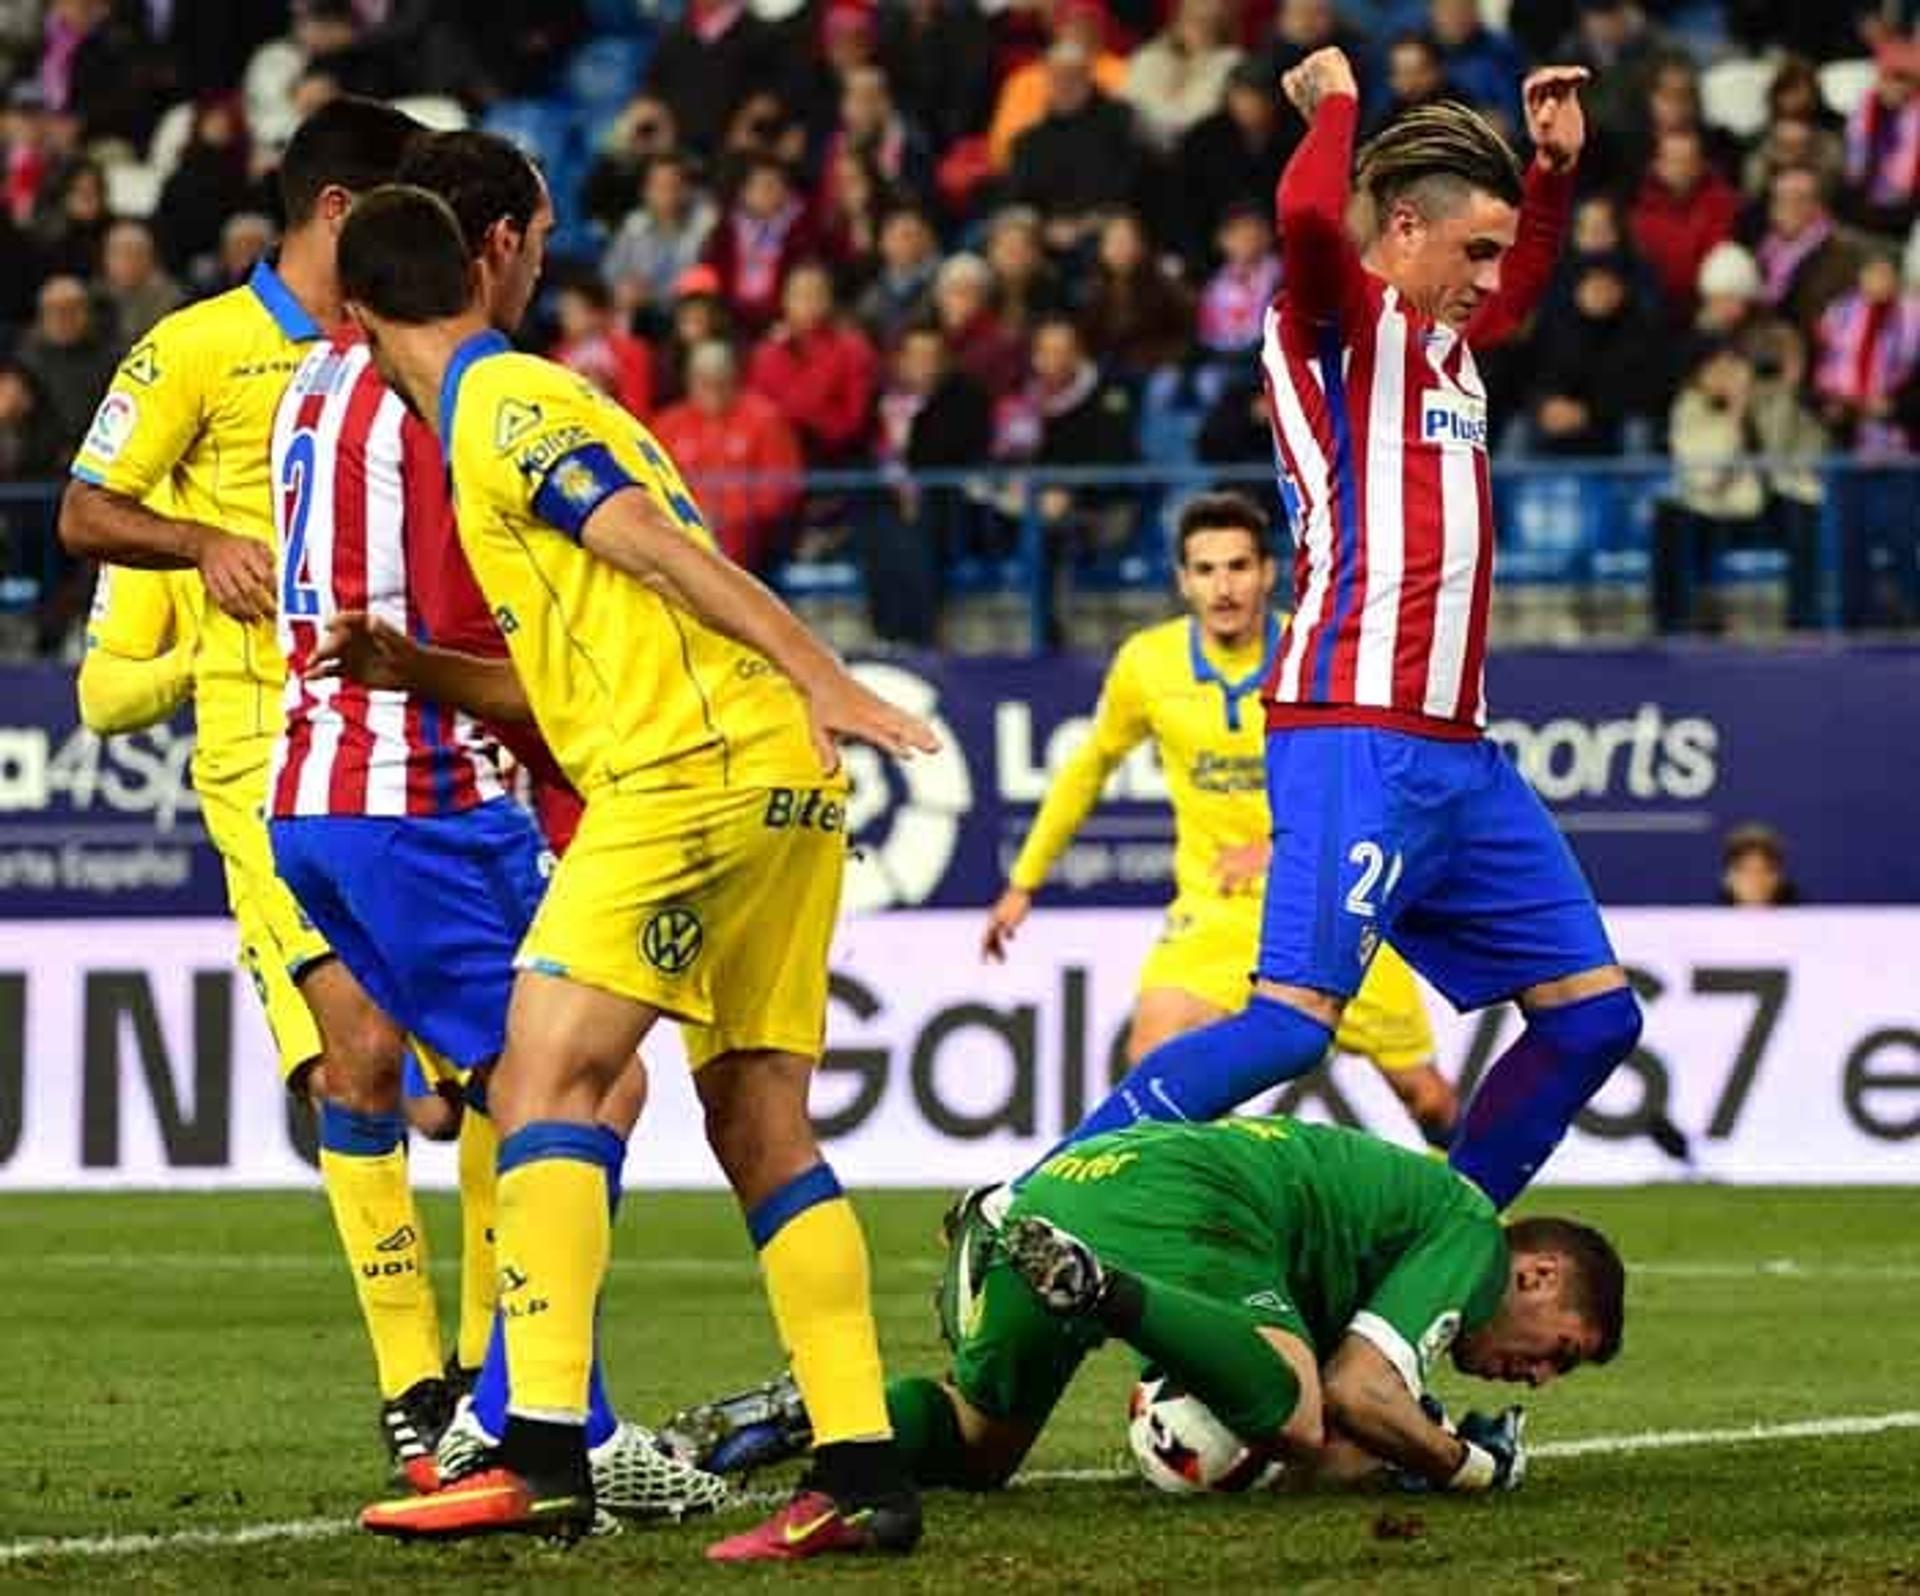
[479,347]
[289,315]
[1204,671]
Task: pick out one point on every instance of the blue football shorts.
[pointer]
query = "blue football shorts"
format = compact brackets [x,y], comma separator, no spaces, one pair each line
[1438,847]
[427,911]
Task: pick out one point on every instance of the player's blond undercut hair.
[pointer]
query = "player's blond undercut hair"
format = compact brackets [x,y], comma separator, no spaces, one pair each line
[1432,158]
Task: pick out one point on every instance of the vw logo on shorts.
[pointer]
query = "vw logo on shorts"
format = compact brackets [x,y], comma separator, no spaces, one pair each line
[671,940]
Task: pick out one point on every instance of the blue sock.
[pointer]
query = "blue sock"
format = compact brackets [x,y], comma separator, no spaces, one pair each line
[1534,1089]
[490,1389]
[357,1135]
[1211,1071]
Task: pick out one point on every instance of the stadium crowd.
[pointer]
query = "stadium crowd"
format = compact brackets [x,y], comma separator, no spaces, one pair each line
[921,235]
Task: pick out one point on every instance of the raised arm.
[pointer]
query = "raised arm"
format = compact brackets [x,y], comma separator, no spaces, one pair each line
[1320,265]
[1558,128]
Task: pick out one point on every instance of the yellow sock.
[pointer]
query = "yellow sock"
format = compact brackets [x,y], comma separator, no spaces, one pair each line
[386,1245]
[479,1270]
[817,1282]
[553,1236]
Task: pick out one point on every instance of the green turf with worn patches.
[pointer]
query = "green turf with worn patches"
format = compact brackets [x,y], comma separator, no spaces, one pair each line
[193,1363]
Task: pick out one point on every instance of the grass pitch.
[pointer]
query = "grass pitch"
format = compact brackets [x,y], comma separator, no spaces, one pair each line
[187,1405]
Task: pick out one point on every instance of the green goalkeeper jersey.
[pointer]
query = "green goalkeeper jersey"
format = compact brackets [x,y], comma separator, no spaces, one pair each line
[1325,1230]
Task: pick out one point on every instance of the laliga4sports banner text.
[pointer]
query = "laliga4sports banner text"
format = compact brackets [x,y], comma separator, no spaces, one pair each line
[1785,1043]
[1645,756]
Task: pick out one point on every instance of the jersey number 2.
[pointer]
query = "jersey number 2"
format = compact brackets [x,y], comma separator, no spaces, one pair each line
[298,596]
[1374,863]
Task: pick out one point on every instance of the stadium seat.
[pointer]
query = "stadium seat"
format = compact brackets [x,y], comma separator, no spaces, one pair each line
[1549,524]
[1733,94]
[133,189]
[1844,84]
[620,16]
[603,76]
[441,112]
[170,136]
[543,129]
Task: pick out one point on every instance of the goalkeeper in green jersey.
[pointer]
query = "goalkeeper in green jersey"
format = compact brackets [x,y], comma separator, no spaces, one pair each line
[1301,1281]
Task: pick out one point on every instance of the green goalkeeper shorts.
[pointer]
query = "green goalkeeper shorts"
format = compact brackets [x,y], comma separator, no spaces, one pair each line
[1151,1214]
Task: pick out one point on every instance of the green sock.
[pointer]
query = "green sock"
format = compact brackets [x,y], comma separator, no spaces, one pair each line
[1213,1348]
[927,1431]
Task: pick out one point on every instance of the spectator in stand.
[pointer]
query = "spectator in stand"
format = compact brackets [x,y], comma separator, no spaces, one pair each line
[931,418]
[848,225]
[872,128]
[1732,311]
[595,345]
[1869,346]
[824,59]
[1883,143]
[1683,210]
[245,241]
[708,63]
[1137,317]
[1415,76]
[1080,158]
[1028,95]
[699,316]
[738,455]
[660,240]
[29,136]
[763,128]
[1232,158]
[901,290]
[1730,410]
[760,237]
[819,370]
[643,132]
[1598,381]
[1614,41]
[1180,75]
[99,67]
[212,182]
[938,55]
[74,233]
[1806,260]
[1483,65]
[1026,285]
[1795,95]
[977,342]
[1067,415]
[1234,300]
[1869,354]
[30,446]
[1301,27]
[133,287]
[1789,141]
[69,358]
[1753,869]
[1673,106]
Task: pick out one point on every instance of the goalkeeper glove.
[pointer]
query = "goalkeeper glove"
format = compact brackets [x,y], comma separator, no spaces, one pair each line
[1496,1457]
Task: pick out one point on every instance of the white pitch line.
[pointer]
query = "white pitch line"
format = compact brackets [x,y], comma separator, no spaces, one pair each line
[1783,1269]
[320,1529]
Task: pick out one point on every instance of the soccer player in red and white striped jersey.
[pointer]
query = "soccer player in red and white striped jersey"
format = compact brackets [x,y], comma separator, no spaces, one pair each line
[389,817]
[1394,818]
[361,484]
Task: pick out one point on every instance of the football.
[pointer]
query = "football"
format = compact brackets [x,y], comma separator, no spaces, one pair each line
[1183,1449]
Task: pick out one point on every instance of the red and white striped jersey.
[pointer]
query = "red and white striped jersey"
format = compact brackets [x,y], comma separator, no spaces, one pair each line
[352,472]
[1380,435]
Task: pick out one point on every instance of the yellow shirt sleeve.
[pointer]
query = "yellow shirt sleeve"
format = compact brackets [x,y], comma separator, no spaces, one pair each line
[141,641]
[1119,726]
[153,410]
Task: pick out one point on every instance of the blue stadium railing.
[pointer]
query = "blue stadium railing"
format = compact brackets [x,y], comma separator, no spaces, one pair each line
[1584,529]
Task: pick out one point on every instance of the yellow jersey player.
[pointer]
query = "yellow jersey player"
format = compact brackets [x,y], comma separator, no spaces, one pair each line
[174,474]
[699,719]
[1192,686]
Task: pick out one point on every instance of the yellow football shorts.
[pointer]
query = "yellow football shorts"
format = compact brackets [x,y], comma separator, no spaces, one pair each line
[1208,949]
[715,906]
[276,941]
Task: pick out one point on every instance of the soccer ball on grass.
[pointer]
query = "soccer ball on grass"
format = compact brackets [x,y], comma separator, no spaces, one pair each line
[1182,1448]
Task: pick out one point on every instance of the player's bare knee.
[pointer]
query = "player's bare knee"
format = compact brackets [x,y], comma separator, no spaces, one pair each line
[755,1106]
